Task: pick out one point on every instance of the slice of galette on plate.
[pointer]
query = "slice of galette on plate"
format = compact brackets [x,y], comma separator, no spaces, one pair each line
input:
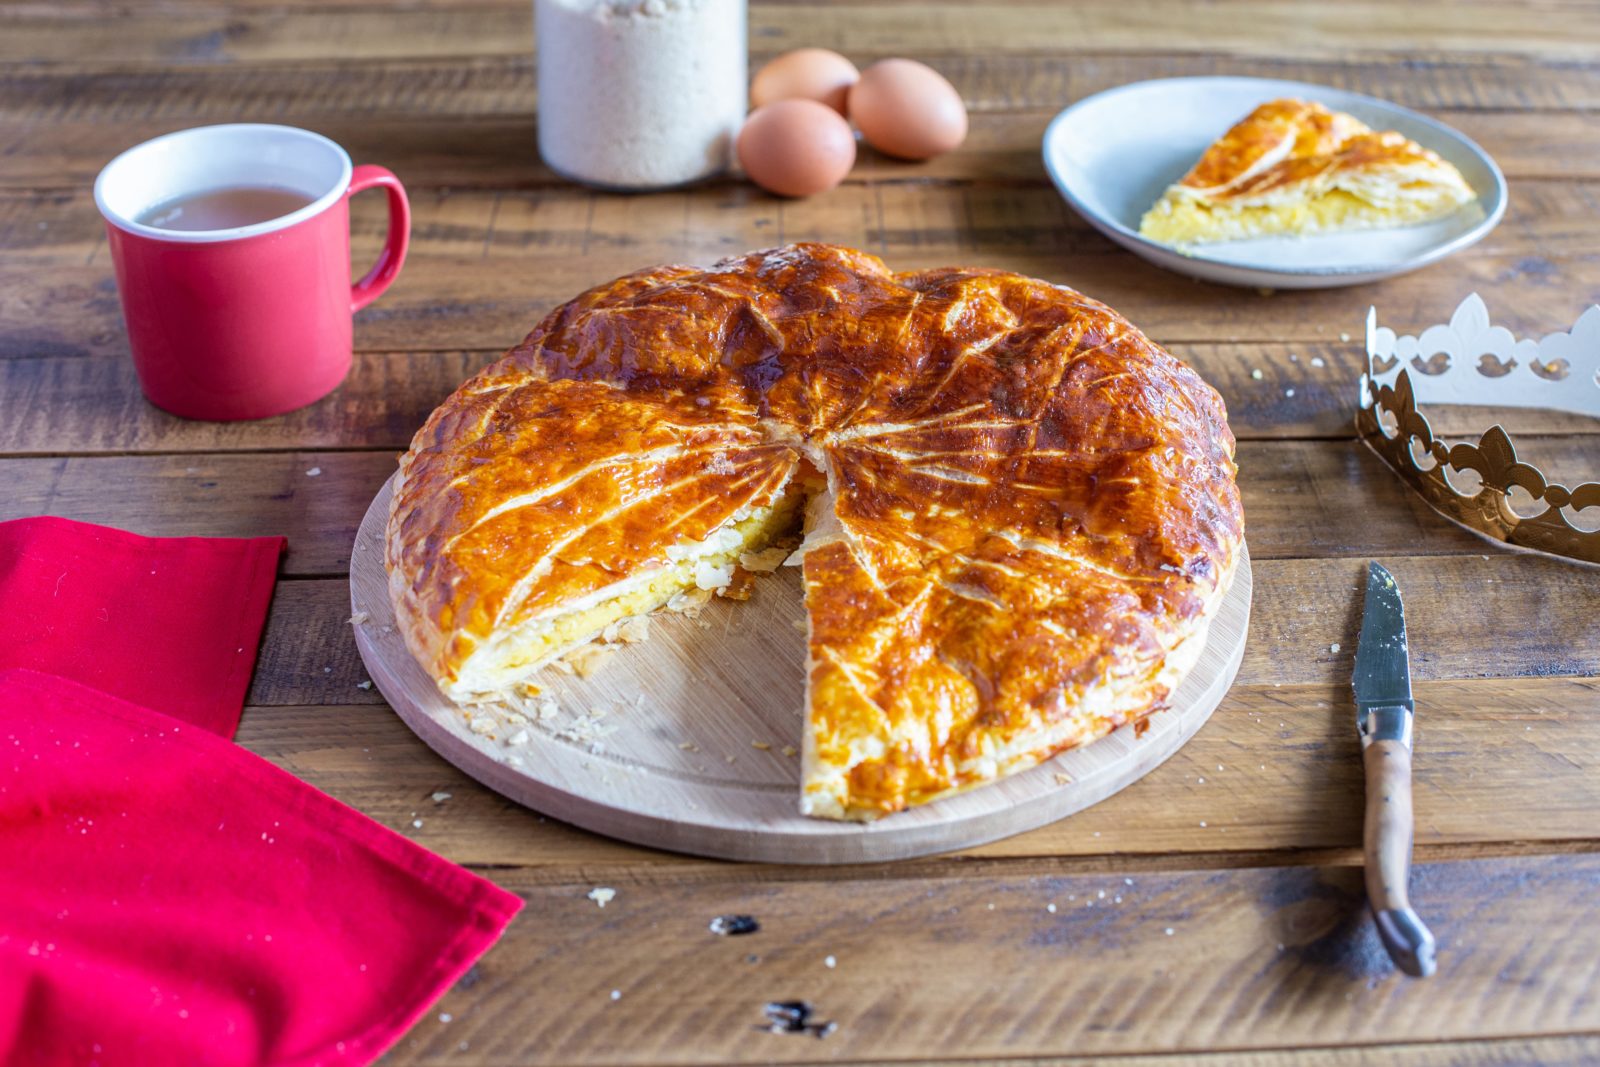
[1295,168]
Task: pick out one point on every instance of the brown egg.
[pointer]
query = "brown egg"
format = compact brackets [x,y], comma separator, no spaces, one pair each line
[805,74]
[907,109]
[796,147]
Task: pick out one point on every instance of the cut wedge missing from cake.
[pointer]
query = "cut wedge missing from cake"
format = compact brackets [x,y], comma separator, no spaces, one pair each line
[1295,168]
[1019,513]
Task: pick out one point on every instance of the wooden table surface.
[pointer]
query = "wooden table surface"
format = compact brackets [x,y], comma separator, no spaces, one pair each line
[1216,906]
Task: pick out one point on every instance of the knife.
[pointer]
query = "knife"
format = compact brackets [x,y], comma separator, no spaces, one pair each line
[1383,718]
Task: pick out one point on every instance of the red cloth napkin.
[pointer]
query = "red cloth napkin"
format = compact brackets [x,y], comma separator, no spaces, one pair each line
[168,622]
[167,897]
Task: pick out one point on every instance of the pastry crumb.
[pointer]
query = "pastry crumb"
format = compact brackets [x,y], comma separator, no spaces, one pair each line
[765,746]
[764,562]
[739,587]
[790,750]
[602,895]
[358,618]
[689,602]
[1063,779]
[586,660]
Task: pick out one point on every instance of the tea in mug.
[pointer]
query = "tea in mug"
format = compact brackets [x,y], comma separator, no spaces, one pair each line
[224,209]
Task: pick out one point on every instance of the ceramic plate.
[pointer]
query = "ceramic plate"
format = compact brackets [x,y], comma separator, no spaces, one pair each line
[1113,154]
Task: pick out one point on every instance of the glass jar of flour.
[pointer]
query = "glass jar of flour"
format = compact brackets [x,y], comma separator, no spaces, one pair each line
[640,94]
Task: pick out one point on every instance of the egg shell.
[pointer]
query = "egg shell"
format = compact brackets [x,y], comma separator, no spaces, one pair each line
[805,74]
[907,109]
[796,147]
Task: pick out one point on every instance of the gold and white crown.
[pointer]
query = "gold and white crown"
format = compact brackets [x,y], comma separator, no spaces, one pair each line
[1483,485]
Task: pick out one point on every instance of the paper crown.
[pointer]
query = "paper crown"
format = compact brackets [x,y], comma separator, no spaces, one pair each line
[1484,486]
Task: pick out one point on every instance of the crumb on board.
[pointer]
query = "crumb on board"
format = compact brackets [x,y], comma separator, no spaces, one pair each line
[586,660]
[602,895]
[1318,361]
[1256,374]
[1334,648]
[313,472]
[689,602]
[629,631]
[363,685]
[764,562]
[740,587]
[734,925]
[358,618]
[1344,336]
[440,797]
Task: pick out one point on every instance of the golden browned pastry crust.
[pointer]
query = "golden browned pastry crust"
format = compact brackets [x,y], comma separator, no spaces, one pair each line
[1295,167]
[1030,510]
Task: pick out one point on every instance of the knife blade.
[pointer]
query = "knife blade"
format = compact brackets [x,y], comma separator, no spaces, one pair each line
[1384,718]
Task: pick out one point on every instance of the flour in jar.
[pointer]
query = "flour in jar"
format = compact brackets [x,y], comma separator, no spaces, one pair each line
[638,94]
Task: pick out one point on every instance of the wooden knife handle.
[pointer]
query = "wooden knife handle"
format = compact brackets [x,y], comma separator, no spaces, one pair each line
[1388,835]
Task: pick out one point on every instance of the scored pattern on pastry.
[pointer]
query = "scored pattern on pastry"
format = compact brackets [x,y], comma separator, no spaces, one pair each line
[1019,512]
[1295,167]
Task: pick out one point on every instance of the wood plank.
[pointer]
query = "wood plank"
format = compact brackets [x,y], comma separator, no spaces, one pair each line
[1497,615]
[203,34]
[1567,1051]
[1303,498]
[504,85]
[499,151]
[460,302]
[1290,778]
[1519,944]
[65,404]
[946,221]
[314,499]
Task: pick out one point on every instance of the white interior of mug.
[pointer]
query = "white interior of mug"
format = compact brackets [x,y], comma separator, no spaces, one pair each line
[208,158]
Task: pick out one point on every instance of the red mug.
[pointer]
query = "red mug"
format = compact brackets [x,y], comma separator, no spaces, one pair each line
[252,321]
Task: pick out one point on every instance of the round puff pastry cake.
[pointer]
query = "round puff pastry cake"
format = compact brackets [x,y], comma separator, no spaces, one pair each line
[1019,513]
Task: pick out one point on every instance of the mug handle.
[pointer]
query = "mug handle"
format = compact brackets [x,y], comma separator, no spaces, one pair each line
[393,256]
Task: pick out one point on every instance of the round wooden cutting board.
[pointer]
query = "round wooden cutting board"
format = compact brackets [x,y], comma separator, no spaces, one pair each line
[685,741]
